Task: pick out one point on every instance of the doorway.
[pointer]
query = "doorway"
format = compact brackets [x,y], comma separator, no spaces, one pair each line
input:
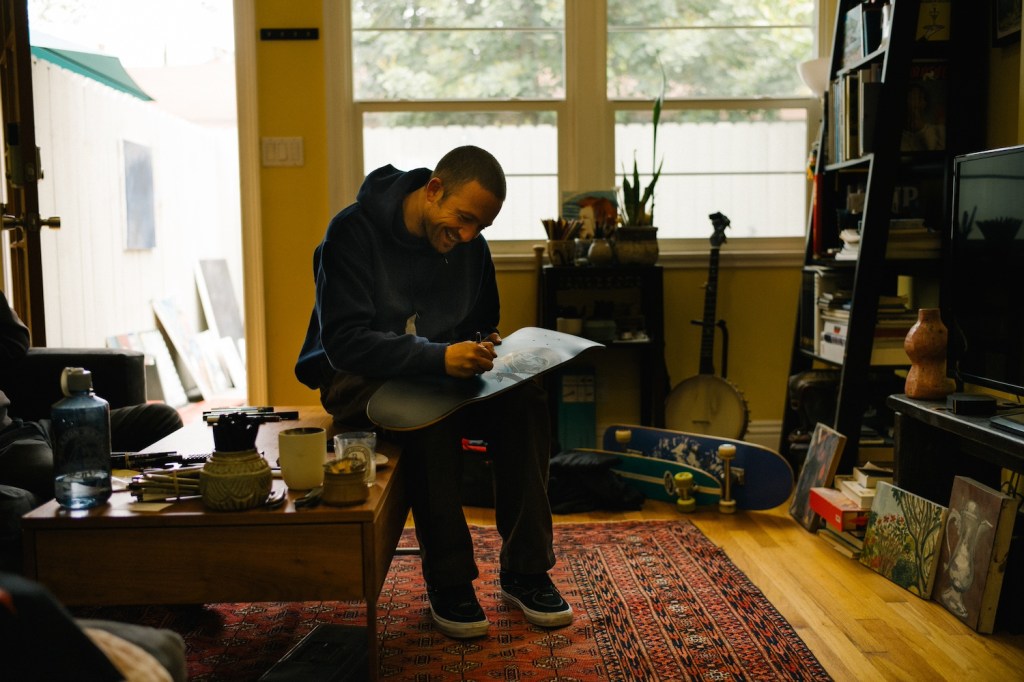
[146,184]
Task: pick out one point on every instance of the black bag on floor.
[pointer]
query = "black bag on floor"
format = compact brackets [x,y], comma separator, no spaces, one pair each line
[584,481]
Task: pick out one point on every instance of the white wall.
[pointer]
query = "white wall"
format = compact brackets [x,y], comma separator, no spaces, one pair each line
[94,287]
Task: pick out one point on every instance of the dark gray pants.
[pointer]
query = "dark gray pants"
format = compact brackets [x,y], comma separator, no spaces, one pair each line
[516,428]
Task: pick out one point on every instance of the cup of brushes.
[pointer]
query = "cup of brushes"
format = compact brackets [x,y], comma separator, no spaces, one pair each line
[561,246]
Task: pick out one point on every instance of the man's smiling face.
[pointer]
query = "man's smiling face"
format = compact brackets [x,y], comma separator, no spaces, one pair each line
[459,217]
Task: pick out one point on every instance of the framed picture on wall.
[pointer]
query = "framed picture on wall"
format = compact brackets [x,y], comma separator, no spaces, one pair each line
[1005,21]
[138,197]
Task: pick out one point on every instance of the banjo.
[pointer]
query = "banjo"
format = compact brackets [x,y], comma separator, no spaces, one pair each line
[707,403]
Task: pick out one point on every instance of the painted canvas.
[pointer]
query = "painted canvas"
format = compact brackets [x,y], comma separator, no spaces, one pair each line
[903,538]
[974,551]
[817,472]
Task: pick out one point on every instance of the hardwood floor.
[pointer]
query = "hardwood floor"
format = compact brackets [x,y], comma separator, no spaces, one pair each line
[860,625]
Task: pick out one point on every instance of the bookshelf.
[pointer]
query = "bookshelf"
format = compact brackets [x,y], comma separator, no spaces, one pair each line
[905,97]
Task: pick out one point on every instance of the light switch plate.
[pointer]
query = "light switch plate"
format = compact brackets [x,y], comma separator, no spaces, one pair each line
[282,151]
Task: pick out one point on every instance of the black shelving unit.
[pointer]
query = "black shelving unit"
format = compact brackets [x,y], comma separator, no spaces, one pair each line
[636,298]
[884,171]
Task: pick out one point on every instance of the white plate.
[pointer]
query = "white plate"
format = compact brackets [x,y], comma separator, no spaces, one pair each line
[379,459]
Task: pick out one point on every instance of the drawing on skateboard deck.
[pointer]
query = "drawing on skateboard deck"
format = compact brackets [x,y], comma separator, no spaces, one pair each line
[759,478]
[408,403]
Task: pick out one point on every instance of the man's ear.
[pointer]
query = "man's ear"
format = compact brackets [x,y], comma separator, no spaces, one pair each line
[434,190]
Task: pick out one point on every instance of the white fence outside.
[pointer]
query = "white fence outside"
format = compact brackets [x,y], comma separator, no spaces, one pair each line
[752,172]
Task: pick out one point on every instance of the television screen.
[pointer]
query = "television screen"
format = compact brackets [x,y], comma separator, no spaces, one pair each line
[983,285]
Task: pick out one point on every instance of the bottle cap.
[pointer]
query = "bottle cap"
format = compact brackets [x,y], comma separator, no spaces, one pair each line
[75,380]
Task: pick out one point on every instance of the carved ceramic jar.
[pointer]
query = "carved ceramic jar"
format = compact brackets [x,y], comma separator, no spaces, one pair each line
[232,481]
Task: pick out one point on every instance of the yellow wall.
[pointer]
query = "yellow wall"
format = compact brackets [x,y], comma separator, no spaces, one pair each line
[294,200]
[1004,97]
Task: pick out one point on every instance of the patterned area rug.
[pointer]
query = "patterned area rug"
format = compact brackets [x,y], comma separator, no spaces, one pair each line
[654,600]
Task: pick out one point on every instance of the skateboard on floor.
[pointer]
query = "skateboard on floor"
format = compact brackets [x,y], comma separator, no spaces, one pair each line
[409,403]
[658,459]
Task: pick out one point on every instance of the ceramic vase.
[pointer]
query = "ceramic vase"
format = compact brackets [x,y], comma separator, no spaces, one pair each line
[926,347]
[232,481]
[600,253]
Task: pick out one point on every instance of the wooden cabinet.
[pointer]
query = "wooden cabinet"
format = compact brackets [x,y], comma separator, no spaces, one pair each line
[882,203]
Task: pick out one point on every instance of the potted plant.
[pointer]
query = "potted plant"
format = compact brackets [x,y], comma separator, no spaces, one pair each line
[636,240]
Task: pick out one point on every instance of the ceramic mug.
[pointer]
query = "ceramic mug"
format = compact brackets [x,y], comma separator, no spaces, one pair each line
[301,453]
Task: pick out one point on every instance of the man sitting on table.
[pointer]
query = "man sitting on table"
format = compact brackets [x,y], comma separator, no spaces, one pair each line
[405,285]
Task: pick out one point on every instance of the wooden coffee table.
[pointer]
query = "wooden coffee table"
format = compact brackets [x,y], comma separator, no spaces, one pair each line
[186,554]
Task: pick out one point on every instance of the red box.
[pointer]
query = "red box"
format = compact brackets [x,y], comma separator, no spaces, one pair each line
[838,510]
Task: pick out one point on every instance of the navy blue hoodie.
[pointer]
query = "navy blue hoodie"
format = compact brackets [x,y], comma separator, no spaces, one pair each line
[372,276]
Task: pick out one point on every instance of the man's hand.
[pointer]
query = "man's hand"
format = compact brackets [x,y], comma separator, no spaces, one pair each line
[470,358]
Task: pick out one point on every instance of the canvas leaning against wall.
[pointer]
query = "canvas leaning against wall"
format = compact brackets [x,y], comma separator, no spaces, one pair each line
[817,472]
[902,538]
[974,552]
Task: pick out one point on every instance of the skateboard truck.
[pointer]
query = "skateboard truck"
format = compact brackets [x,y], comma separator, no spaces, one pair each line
[726,453]
[681,485]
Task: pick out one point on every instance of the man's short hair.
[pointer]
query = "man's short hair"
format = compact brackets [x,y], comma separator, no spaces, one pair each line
[468,163]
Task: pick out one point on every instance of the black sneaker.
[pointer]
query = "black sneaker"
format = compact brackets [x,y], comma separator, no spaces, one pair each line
[456,612]
[538,597]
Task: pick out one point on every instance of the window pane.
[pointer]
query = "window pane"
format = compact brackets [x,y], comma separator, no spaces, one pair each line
[503,14]
[471,50]
[674,13]
[708,48]
[526,145]
[748,164]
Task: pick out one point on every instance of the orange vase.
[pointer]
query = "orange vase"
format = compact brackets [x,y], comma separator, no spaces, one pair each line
[926,346]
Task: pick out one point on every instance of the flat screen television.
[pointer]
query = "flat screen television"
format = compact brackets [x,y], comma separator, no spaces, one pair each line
[982,293]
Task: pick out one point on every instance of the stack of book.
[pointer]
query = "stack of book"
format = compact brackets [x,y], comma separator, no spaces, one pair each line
[832,296]
[908,239]
[844,508]
[893,321]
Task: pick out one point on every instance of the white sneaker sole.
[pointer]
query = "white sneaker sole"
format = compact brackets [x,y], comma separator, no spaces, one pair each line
[458,630]
[544,619]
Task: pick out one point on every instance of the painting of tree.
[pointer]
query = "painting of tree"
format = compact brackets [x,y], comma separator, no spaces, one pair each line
[902,539]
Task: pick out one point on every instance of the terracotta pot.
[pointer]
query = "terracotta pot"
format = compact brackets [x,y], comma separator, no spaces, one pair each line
[926,346]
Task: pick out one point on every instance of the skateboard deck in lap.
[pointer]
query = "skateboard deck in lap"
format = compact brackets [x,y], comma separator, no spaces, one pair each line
[409,403]
[761,478]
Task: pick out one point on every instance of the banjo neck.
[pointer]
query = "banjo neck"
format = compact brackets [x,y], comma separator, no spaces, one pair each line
[707,335]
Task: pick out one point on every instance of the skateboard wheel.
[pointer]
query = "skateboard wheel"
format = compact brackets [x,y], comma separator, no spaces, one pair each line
[687,505]
[670,483]
[727,506]
[622,436]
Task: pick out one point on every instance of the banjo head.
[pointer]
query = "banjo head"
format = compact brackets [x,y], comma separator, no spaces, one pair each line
[709,405]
